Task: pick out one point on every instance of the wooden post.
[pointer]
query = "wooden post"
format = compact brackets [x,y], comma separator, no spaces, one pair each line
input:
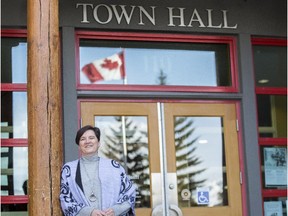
[44,108]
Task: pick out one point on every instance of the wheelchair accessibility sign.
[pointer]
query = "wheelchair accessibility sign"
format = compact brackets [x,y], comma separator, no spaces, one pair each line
[202,196]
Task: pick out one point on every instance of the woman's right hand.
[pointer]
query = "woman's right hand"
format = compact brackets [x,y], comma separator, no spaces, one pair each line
[96,212]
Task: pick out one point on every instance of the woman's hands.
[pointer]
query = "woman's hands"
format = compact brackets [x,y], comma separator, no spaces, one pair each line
[107,212]
[97,213]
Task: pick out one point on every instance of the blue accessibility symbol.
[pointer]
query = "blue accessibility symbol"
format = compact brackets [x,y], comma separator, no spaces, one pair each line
[203,197]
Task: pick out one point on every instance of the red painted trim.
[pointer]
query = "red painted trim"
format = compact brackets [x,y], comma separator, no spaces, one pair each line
[271,90]
[274,193]
[103,87]
[13,33]
[231,41]
[234,64]
[152,37]
[14,142]
[13,87]
[14,199]
[269,41]
[272,141]
[156,100]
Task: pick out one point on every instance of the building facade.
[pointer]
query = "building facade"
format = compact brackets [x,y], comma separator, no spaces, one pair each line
[191,98]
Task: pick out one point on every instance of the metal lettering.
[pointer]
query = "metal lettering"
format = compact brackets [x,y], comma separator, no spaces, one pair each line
[95,13]
[151,18]
[123,13]
[198,19]
[84,12]
[226,22]
[171,16]
[210,25]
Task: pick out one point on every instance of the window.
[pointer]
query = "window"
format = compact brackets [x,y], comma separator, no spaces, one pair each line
[133,61]
[14,143]
[270,61]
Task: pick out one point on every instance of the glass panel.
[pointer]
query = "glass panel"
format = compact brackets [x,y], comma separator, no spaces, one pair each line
[275,206]
[151,63]
[13,60]
[274,167]
[200,162]
[14,170]
[272,116]
[270,66]
[14,210]
[14,115]
[125,139]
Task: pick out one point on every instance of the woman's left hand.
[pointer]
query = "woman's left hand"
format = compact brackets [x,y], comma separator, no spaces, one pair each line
[109,212]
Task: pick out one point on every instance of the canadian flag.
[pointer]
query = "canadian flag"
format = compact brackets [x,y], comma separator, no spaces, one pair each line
[110,68]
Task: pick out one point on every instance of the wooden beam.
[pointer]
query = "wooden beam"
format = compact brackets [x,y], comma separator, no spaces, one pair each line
[44,107]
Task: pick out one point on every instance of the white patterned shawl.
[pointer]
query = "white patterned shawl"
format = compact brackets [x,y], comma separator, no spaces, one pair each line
[115,187]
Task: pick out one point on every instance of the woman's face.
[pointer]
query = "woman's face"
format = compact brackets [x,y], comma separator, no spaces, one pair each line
[88,143]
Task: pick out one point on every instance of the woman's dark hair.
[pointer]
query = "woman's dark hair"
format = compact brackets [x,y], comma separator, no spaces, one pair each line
[82,130]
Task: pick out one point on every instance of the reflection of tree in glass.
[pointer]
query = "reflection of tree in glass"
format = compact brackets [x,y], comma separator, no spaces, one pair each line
[162,78]
[186,159]
[184,154]
[137,162]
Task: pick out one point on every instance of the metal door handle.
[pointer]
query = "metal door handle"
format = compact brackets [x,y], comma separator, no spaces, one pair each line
[157,211]
[176,209]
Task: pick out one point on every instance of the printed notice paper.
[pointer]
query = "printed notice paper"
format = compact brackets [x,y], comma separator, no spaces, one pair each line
[275,166]
[273,208]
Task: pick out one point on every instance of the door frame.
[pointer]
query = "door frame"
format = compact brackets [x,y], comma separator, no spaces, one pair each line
[239,134]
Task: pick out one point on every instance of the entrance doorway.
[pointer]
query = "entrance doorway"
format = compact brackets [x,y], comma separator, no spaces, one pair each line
[183,157]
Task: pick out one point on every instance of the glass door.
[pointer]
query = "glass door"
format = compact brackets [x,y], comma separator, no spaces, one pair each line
[130,136]
[182,157]
[202,155]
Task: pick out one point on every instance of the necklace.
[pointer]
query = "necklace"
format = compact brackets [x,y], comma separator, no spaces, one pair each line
[92,197]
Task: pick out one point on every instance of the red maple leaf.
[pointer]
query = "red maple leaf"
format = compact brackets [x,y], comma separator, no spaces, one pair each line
[109,64]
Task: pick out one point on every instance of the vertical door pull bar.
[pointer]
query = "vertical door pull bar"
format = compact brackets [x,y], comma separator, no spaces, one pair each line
[162,146]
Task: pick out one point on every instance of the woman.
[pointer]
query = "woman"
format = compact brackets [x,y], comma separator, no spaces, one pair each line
[94,186]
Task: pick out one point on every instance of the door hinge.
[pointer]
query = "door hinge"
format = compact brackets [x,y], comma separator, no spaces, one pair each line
[240,176]
[237,125]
